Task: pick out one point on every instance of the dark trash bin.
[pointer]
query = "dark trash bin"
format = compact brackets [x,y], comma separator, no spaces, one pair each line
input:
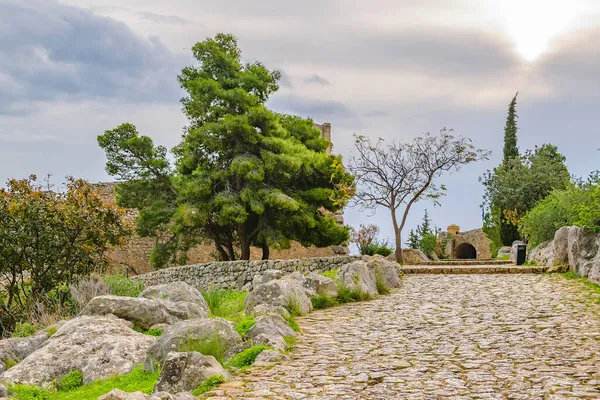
[521,254]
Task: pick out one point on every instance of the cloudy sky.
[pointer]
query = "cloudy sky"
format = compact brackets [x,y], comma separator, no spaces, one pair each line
[71,69]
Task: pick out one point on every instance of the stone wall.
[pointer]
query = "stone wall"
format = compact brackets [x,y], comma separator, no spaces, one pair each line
[238,275]
[572,246]
[476,238]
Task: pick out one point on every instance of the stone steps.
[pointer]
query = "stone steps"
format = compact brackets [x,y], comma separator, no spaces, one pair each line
[479,269]
[469,262]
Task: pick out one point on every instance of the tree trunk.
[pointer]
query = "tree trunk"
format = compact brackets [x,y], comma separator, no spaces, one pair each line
[398,252]
[244,242]
[266,251]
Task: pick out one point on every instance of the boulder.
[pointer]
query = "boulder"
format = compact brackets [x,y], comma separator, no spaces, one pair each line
[321,284]
[584,253]
[267,357]
[513,249]
[143,312]
[279,292]
[560,246]
[99,346]
[175,291]
[270,330]
[185,371]
[187,335]
[542,254]
[267,309]
[117,394]
[389,270]
[17,348]
[411,257]
[357,276]
[168,396]
[504,251]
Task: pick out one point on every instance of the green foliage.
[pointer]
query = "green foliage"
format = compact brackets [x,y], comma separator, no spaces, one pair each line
[290,343]
[428,244]
[413,240]
[591,285]
[504,257]
[209,385]
[491,227]
[331,274]
[244,325]
[293,306]
[323,300]
[226,304]
[215,346]
[578,204]
[119,285]
[70,381]
[511,150]
[24,329]
[246,357]
[380,248]
[380,282]
[151,332]
[53,238]
[136,380]
[364,237]
[242,175]
[10,363]
[293,324]
[425,228]
[344,294]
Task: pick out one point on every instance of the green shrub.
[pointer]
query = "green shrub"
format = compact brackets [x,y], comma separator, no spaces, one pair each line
[26,392]
[208,385]
[215,346]
[428,244]
[379,248]
[154,332]
[24,329]
[226,304]
[246,357]
[293,324]
[359,295]
[290,343]
[293,306]
[51,330]
[504,257]
[331,274]
[119,285]
[244,325]
[10,363]
[323,300]
[344,294]
[70,381]
[380,282]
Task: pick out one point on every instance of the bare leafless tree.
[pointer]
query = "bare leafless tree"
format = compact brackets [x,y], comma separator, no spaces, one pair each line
[400,174]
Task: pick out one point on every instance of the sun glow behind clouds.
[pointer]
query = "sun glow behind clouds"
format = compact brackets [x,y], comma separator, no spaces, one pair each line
[532,24]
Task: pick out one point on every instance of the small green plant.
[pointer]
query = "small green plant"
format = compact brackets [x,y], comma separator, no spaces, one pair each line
[344,295]
[214,346]
[209,385]
[293,324]
[290,343]
[24,329]
[359,295]
[246,357]
[26,392]
[593,286]
[505,257]
[70,381]
[51,330]
[331,274]
[226,304]
[379,248]
[323,300]
[293,306]
[380,282]
[10,363]
[119,285]
[154,332]
[428,244]
[244,325]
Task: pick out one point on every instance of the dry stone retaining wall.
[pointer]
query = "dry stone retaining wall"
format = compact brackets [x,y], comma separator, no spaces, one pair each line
[238,275]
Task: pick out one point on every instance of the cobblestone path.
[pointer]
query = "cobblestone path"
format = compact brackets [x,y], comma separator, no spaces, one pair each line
[444,336]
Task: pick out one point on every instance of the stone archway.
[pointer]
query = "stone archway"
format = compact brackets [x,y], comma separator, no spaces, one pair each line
[466,251]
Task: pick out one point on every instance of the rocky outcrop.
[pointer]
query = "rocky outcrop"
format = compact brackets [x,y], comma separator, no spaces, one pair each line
[176,291]
[16,349]
[117,394]
[572,246]
[185,371]
[270,330]
[269,357]
[504,251]
[321,284]
[191,335]
[279,293]
[411,257]
[388,270]
[99,346]
[357,276]
[144,313]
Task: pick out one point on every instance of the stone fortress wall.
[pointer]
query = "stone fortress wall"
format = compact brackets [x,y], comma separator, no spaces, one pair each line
[472,244]
[136,254]
[238,275]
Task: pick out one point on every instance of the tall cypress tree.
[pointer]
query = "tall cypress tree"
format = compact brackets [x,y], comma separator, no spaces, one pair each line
[508,231]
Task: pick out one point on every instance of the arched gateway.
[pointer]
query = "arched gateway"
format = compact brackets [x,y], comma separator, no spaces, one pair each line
[471,245]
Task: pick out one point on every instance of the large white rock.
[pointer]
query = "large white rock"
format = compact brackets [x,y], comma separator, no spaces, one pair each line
[117,394]
[389,270]
[183,336]
[16,349]
[279,292]
[411,257]
[542,254]
[513,249]
[270,330]
[186,371]
[357,276]
[99,346]
[504,251]
[321,284]
[176,291]
[144,313]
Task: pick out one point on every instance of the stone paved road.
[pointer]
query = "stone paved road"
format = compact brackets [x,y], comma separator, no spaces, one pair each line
[445,336]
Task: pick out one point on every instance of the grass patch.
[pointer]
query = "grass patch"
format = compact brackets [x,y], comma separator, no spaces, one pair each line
[505,257]
[209,385]
[293,307]
[290,343]
[323,300]
[151,332]
[226,304]
[71,381]
[24,329]
[344,295]
[293,324]
[214,346]
[380,282]
[591,285]
[119,285]
[244,325]
[246,357]
[136,380]
[51,330]
[331,274]
[10,363]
